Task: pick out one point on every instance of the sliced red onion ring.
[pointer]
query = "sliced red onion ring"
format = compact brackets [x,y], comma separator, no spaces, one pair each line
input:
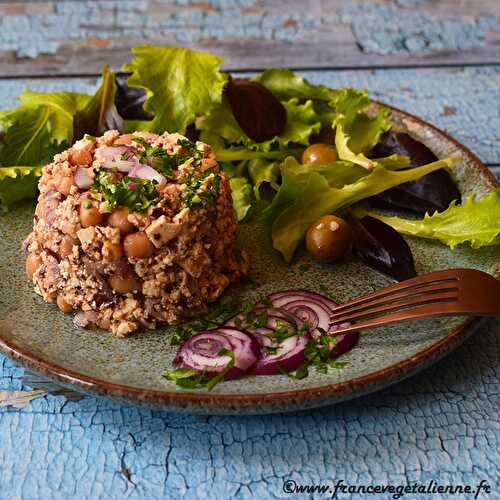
[315,309]
[83,178]
[261,309]
[201,352]
[279,299]
[288,357]
[141,171]
[344,344]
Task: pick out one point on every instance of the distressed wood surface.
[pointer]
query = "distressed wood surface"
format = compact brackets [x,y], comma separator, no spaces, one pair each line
[441,425]
[76,37]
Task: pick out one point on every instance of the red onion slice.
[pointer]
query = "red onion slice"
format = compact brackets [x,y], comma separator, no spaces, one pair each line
[141,171]
[344,344]
[259,310]
[201,352]
[83,179]
[288,357]
[279,299]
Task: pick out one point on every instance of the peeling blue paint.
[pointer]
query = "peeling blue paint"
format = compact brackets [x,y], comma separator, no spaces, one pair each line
[187,21]
[387,29]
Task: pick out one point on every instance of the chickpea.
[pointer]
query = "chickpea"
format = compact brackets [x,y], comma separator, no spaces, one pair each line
[33,262]
[329,239]
[320,154]
[63,184]
[90,215]
[66,246]
[63,305]
[111,251]
[80,157]
[137,245]
[124,284]
[118,219]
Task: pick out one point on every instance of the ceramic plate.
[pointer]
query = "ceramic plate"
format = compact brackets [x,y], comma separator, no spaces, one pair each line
[43,339]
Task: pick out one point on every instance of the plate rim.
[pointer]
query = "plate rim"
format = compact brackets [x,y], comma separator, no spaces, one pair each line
[253,403]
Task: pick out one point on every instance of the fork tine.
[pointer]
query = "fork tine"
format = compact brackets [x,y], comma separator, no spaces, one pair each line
[452,292]
[423,311]
[402,304]
[398,295]
[419,281]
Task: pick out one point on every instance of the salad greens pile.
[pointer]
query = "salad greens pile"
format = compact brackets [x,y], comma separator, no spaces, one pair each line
[474,221]
[186,91]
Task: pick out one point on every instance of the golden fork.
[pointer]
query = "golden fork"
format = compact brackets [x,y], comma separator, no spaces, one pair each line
[441,293]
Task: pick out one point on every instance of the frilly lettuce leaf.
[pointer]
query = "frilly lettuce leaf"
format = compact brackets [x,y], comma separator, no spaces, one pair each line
[17,183]
[261,172]
[45,123]
[241,191]
[357,133]
[475,221]
[39,127]
[302,122]
[180,84]
[306,195]
[285,84]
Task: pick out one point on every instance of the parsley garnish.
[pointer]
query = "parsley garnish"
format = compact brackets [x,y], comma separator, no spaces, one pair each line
[194,197]
[225,309]
[159,159]
[317,353]
[191,379]
[119,193]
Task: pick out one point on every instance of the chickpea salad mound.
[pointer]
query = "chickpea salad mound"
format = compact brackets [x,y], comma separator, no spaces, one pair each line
[128,244]
[142,185]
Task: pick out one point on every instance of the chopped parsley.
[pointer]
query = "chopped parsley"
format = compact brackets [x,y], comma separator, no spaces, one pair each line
[188,378]
[119,192]
[165,163]
[224,309]
[317,353]
[194,197]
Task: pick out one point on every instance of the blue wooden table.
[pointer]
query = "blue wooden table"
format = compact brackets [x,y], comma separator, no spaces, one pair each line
[439,60]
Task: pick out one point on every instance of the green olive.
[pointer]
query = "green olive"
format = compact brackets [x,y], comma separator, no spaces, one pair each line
[320,154]
[329,239]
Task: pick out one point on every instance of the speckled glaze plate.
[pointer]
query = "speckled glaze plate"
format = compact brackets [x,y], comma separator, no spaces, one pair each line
[130,370]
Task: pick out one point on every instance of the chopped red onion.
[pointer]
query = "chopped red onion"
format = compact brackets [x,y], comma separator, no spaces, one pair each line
[121,165]
[83,178]
[146,172]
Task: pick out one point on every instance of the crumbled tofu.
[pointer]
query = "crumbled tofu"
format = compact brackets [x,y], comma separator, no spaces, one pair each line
[160,232]
[86,235]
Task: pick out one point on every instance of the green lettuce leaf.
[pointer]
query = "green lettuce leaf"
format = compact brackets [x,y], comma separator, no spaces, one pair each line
[180,84]
[17,183]
[285,85]
[45,123]
[39,127]
[357,133]
[263,172]
[306,195]
[302,122]
[475,221]
[241,191]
